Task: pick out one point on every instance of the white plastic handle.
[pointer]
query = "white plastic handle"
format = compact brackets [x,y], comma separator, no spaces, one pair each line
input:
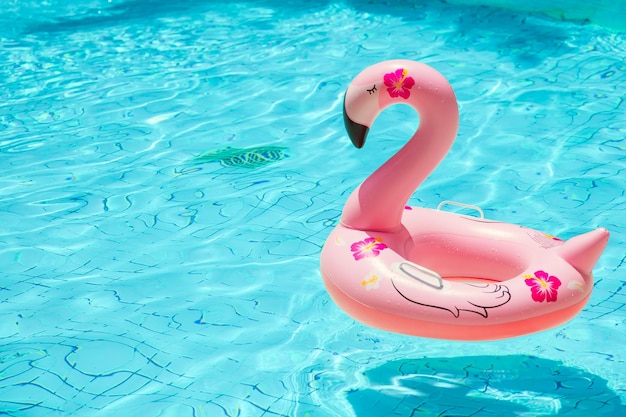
[467,206]
[422,274]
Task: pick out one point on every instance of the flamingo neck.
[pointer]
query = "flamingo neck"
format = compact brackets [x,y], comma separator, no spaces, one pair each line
[378,203]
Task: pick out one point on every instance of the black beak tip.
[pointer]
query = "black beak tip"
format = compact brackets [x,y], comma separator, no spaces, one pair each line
[357,132]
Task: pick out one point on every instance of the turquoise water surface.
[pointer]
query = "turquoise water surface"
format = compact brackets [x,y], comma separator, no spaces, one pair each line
[170,170]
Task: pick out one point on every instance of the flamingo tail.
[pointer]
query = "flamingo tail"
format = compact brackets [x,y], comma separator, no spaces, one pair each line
[583,251]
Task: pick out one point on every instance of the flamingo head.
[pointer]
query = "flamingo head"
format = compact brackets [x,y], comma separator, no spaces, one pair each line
[394,82]
[362,102]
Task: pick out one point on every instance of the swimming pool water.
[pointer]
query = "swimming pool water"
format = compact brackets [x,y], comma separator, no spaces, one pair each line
[170,171]
[608,13]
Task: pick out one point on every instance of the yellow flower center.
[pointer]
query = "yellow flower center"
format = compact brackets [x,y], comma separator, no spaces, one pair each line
[369,246]
[371,280]
[399,83]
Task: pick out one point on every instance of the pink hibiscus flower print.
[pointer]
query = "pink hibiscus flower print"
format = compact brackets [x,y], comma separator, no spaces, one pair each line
[543,287]
[398,84]
[368,248]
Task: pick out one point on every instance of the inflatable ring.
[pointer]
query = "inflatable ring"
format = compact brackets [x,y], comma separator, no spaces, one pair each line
[434,273]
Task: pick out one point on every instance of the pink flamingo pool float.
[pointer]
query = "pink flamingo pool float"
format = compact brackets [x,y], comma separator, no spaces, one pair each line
[438,274]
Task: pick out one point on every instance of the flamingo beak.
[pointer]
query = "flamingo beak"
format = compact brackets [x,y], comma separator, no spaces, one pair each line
[357,132]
